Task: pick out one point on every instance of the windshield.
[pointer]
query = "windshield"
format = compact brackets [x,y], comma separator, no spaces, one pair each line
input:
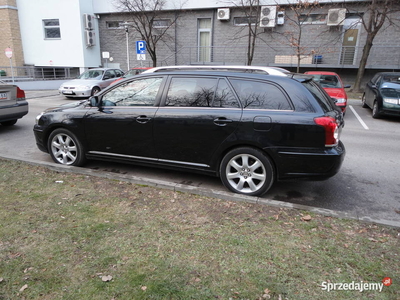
[91,74]
[327,81]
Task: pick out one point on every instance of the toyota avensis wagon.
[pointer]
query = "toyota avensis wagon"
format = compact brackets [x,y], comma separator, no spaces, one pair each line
[248,129]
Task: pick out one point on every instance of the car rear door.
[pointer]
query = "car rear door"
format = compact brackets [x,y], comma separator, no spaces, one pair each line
[197,115]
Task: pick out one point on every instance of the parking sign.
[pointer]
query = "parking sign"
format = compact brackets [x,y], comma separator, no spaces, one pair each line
[140,47]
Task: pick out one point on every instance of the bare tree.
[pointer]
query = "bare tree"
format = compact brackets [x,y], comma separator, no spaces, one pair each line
[297,16]
[144,17]
[377,14]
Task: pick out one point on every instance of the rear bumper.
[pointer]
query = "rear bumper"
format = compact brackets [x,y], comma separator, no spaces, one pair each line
[13,112]
[310,164]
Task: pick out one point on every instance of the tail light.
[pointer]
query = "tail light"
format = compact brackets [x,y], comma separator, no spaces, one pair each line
[331,130]
[20,94]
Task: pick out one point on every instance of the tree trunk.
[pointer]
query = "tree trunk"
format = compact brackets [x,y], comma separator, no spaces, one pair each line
[363,62]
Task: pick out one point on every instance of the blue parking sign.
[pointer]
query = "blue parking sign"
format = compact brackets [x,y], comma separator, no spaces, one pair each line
[140,47]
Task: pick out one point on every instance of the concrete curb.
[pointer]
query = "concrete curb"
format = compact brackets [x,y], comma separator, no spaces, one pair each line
[206,192]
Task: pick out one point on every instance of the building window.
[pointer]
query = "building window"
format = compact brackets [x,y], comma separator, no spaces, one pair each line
[313,19]
[161,23]
[204,40]
[244,21]
[114,24]
[51,29]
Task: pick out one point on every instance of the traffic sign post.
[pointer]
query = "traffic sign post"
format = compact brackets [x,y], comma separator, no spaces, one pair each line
[141,51]
[8,52]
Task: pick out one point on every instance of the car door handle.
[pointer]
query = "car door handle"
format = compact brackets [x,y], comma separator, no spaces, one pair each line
[143,119]
[222,121]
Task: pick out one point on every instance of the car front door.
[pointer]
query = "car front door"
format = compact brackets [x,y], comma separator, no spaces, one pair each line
[123,123]
[371,90]
[197,115]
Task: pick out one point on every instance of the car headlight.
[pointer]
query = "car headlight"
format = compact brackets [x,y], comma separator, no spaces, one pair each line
[83,87]
[391,100]
[37,119]
[340,100]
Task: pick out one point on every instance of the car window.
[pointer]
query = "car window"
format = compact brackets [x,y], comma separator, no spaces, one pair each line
[91,74]
[260,95]
[109,74]
[327,81]
[191,92]
[119,73]
[376,78]
[142,92]
[319,94]
[224,97]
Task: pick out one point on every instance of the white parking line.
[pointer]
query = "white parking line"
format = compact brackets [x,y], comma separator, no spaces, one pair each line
[359,118]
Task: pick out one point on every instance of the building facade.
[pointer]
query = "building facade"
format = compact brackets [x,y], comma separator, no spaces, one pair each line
[79,34]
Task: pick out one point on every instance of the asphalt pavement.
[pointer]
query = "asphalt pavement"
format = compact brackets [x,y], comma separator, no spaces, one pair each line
[165,182]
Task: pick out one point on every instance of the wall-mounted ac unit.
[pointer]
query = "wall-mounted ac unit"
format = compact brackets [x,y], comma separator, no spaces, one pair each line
[268,16]
[336,16]
[280,18]
[223,14]
[90,38]
[88,19]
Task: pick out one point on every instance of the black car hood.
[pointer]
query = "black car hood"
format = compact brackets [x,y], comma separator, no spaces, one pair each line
[67,106]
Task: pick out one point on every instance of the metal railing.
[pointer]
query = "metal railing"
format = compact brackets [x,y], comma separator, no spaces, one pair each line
[37,73]
[381,57]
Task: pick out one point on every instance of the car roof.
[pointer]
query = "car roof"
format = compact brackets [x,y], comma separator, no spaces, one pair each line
[321,73]
[251,69]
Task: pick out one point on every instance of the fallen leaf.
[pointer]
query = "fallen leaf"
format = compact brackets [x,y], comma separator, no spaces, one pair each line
[306,218]
[23,288]
[144,288]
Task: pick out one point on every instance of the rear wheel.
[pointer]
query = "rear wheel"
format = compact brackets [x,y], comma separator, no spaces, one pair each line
[9,123]
[65,148]
[247,171]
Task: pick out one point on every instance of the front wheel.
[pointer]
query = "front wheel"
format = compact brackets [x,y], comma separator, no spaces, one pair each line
[95,90]
[375,110]
[247,171]
[65,148]
[363,101]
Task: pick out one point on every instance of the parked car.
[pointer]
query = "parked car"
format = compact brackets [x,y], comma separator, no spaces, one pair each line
[89,82]
[132,72]
[248,69]
[333,85]
[248,129]
[13,105]
[382,94]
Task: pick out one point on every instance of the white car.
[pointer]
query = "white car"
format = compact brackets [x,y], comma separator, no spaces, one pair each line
[90,82]
[248,69]
[13,105]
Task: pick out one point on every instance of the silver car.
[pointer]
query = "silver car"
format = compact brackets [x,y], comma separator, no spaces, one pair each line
[90,82]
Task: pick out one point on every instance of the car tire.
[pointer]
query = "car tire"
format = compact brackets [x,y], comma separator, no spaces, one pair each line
[247,171]
[95,90]
[363,101]
[9,123]
[375,110]
[65,148]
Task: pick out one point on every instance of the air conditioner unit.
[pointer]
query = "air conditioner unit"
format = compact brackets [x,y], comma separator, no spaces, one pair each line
[90,38]
[268,16]
[88,19]
[223,14]
[280,18]
[336,16]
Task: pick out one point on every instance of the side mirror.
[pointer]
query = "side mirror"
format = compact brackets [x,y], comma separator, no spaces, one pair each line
[106,77]
[94,101]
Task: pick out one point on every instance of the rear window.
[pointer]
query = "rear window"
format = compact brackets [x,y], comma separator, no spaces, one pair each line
[320,95]
[260,95]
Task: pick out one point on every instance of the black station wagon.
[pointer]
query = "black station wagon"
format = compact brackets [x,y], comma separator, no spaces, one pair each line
[248,129]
